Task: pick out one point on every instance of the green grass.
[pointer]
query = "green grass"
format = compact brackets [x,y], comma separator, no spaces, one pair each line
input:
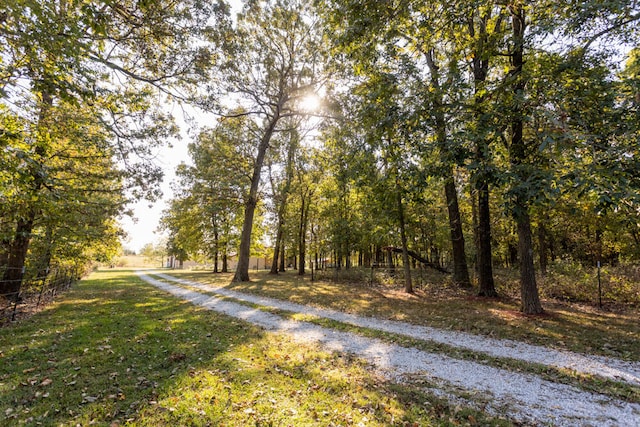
[116,351]
[588,382]
[572,327]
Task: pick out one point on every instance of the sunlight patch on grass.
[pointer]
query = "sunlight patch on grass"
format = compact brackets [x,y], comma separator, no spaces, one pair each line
[587,382]
[573,327]
[117,351]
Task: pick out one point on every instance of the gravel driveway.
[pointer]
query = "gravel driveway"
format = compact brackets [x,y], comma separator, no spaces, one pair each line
[520,396]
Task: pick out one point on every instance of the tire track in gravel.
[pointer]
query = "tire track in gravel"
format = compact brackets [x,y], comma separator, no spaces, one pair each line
[522,397]
[610,368]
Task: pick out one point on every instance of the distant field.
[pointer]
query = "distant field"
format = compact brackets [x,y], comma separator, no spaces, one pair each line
[138,261]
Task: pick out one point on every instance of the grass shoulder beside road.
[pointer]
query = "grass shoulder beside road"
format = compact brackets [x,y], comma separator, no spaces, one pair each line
[588,382]
[115,351]
[572,327]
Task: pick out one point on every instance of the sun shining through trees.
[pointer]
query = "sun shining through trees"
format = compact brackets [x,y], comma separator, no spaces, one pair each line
[534,147]
[400,111]
[311,103]
[421,145]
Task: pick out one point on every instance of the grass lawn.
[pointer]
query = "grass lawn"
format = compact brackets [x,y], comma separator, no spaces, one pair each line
[115,351]
[577,328]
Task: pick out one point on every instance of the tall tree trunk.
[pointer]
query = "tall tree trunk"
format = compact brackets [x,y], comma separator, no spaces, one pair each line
[284,197]
[302,241]
[14,268]
[19,246]
[474,220]
[216,244]
[480,64]
[225,262]
[244,254]
[485,263]
[460,269]
[530,300]
[276,249]
[408,285]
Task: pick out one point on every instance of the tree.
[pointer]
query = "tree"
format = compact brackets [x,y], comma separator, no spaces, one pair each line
[530,301]
[484,26]
[100,59]
[60,179]
[281,191]
[528,187]
[204,214]
[404,39]
[271,64]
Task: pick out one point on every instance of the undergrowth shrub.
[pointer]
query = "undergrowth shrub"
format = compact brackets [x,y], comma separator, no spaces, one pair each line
[571,281]
[367,276]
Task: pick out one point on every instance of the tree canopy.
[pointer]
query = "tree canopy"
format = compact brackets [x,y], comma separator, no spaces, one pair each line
[454,136]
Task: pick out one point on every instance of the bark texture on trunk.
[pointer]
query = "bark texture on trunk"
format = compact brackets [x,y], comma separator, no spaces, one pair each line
[460,269]
[485,263]
[17,254]
[530,300]
[244,254]
[408,285]
[17,248]
[477,25]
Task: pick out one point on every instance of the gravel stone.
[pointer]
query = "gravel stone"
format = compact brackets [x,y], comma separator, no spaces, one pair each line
[524,398]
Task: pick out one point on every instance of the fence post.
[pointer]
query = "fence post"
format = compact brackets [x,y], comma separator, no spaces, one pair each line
[42,286]
[599,287]
[15,306]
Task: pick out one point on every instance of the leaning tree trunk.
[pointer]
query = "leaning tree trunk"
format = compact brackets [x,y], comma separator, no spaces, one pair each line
[530,300]
[244,254]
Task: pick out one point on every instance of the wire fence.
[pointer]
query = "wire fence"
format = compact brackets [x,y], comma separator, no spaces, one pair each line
[35,291]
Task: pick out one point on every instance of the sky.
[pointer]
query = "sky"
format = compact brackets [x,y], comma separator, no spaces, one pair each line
[142,228]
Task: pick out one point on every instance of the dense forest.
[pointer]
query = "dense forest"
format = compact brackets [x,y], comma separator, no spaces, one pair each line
[454,136]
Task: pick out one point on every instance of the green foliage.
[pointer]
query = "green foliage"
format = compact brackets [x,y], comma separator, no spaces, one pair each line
[154,253]
[569,280]
[81,118]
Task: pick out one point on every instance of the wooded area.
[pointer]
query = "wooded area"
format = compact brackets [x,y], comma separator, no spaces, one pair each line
[470,135]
